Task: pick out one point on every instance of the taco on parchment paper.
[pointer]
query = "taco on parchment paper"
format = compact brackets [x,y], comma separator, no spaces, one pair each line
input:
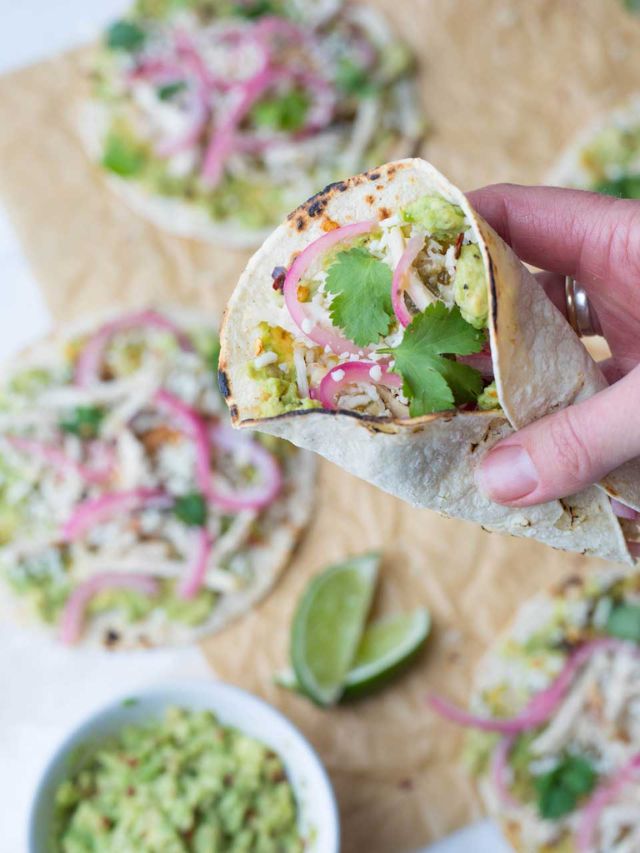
[386,326]
[605,156]
[131,514]
[555,720]
[214,119]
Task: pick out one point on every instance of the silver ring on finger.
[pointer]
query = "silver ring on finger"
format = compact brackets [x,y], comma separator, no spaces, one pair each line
[580,313]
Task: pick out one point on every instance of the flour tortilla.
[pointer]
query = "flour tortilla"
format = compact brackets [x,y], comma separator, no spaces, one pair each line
[539,363]
[288,515]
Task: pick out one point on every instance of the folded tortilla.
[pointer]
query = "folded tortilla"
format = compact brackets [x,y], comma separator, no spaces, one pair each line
[259,541]
[539,365]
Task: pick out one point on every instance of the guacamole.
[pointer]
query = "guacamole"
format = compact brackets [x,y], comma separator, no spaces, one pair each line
[183,784]
[471,287]
[436,216]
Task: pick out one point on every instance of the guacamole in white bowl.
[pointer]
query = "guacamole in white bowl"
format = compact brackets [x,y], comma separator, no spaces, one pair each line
[190,768]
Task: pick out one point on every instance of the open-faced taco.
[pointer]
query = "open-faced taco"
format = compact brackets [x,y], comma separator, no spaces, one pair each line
[605,157]
[555,720]
[214,119]
[131,514]
[387,327]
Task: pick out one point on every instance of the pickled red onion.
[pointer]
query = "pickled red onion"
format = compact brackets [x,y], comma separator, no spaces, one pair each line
[623,511]
[198,116]
[222,139]
[322,337]
[88,364]
[634,548]
[354,371]
[74,609]
[253,497]
[193,426]
[98,510]
[197,567]
[499,764]
[411,252]
[541,706]
[605,794]
[58,458]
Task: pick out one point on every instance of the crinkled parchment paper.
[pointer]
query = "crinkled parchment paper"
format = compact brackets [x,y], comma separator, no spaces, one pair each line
[506,85]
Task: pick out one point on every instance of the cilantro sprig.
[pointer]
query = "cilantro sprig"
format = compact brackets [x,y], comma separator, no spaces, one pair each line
[624,622]
[431,381]
[560,790]
[191,509]
[361,285]
[125,35]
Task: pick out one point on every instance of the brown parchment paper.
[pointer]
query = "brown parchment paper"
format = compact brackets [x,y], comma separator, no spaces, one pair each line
[506,84]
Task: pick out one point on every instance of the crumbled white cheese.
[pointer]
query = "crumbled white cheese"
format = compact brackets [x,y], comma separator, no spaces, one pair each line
[338,375]
[376,373]
[307,326]
[265,358]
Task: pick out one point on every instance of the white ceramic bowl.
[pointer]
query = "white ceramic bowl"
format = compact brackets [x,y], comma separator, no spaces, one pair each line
[319,822]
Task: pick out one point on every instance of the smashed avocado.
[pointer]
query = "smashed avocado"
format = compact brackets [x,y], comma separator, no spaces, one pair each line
[437,216]
[279,389]
[182,784]
[488,400]
[612,147]
[470,287]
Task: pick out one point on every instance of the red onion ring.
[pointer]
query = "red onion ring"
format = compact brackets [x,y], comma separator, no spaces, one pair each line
[194,427]
[59,459]
[98,510]
[197,567]
[354,371]
[321,337]
[89,360]
[499,764]
[605,794]
[255,497]
[624,511]
[76,605]
[541,707]
[411,252]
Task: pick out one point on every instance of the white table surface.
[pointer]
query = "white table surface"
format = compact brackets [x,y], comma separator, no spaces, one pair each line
[44,690]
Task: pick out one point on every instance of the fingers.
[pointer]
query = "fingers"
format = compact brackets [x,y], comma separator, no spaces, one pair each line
[592,237]
[554,286]
[564,453]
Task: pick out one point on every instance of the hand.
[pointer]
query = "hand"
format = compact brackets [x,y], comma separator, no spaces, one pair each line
[596,240]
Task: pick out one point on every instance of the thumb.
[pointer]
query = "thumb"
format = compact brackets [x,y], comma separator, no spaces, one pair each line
[563,453]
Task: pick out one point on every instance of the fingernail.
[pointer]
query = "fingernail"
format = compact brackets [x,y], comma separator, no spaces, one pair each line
[507,474]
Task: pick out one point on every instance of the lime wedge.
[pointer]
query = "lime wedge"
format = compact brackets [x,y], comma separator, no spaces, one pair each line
[328,625]
[387,648]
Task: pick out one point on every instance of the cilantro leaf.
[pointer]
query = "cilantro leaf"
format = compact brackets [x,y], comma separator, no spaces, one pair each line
[166,92]
[355,79]
[84,421]
[632,5]
[125,35]
[624,622]
[431,382]
[362,288]
[626,186]
[560,789]
[191,509]
[286,112]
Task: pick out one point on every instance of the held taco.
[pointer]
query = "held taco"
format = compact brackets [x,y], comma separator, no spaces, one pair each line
[555,721]
[387,327]
[213,119]
[131,514]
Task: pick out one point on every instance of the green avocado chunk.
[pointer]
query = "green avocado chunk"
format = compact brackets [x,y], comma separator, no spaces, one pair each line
[488,400]
[279,389]
[470,283]
[181,784]
[436,216]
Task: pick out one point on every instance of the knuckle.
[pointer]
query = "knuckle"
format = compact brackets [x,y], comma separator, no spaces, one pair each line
[570,453]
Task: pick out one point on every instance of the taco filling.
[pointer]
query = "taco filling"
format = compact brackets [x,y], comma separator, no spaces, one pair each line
[386,318]
[125,496]
[556,720]
[241,109]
